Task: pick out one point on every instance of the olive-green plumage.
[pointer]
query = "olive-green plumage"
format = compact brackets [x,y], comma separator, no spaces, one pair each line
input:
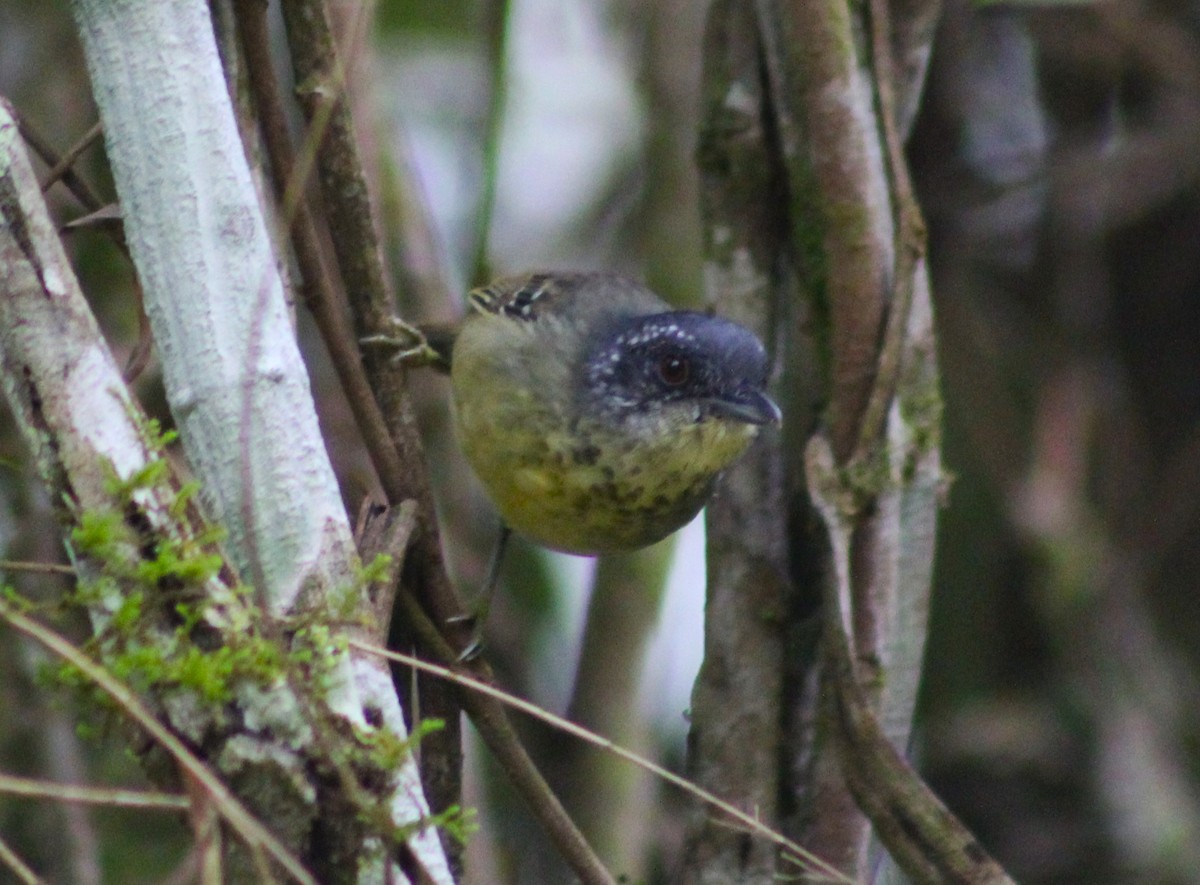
[597,418]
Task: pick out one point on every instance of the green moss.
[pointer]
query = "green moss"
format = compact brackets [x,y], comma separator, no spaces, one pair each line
[140,665]
[867,478]
[213,674]
[457,822]
[378,569]
[383,750]
[174,564]
[183,497]
[19,602]
[921,409]
[129,612]
[99,535]
[344,603]
[167,615]
[148,476]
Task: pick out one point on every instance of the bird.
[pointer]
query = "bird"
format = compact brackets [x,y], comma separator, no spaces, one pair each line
[597,418]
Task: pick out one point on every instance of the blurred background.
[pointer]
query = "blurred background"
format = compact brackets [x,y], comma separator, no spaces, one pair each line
[1057,156]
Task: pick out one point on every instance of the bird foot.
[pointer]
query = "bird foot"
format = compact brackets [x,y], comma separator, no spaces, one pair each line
[411,346]
[474,646]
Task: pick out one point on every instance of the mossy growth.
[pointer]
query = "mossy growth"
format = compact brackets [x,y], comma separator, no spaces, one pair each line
[172,622]
[167,613]
[864,479]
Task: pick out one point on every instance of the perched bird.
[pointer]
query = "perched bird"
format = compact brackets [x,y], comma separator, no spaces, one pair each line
[598,418]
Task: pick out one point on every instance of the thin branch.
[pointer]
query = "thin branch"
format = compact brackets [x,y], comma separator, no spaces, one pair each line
[810,862]
[139,356]
[205,821]
[921,834]
[498,734]
[61,168]
[321,84]
[42,789]
[322,294]
[67,160]
[346,198]
[46,568]
[252,832]
[42,147]
[836,100]
[384,531]
[347,202]
[22,870]
[909,231]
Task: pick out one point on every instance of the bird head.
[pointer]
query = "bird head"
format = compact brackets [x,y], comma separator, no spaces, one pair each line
[677,368]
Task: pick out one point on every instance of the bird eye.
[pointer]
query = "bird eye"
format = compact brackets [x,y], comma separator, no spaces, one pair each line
[673,370]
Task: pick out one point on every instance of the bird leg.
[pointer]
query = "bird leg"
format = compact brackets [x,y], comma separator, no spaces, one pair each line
[483,602]
[411,344]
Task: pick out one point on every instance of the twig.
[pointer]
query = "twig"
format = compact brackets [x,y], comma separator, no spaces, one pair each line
[22,870]
[497,732]
[139,356]
[386,531]
[323,297]
[845,169]
[909,239]
[346,200]
[43,789]
[347,203]
[61,168]
[206,831]
[48,568]
[67,160]
[809,861]
[921,834]
[255,835]
[42,147]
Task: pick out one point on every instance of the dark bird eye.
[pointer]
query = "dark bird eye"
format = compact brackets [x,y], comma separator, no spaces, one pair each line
[673,370]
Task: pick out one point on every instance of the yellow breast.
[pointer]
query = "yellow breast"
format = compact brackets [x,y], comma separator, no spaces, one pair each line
[572,481]
[566,481]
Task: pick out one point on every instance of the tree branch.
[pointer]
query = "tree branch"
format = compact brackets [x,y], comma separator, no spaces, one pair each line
[920,833]
[320,79]
[234,377]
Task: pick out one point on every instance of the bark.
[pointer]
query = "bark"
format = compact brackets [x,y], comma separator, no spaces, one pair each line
[321,81]
[736,729]
[240,395]
[814,240]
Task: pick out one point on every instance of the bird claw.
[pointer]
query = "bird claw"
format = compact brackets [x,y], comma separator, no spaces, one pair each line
[474,646]
[411,346]
[471,651]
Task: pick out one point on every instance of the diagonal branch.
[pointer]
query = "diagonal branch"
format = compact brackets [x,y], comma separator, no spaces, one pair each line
[258,837]
[921,834]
